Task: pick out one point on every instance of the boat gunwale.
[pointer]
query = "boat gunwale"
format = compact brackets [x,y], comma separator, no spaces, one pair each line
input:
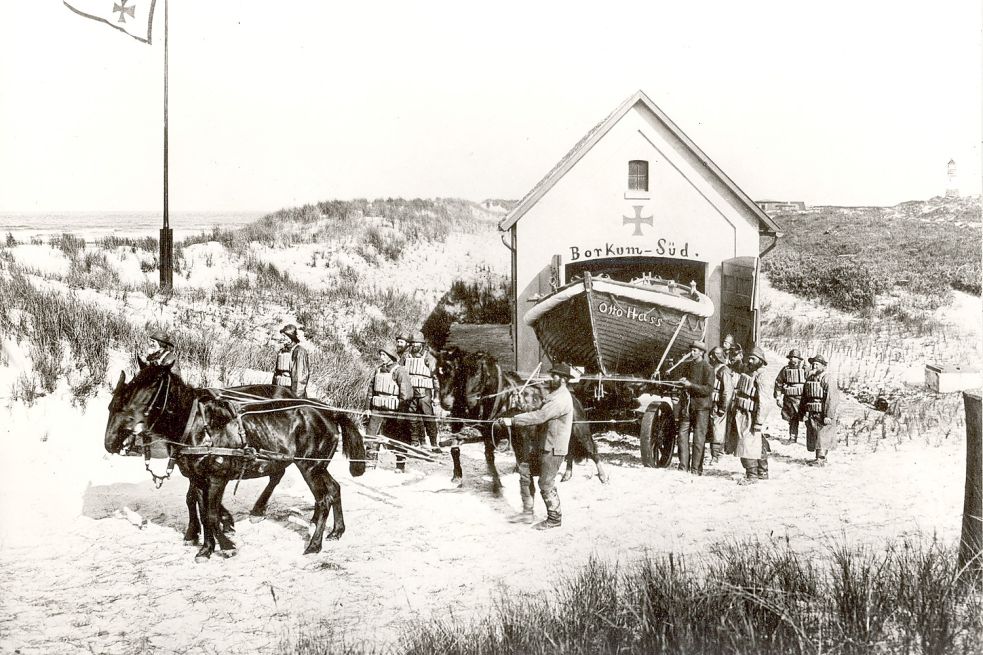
[701,307]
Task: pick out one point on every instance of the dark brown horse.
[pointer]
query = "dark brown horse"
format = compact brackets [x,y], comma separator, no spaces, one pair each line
[473,386]
[194,500]
[270,435]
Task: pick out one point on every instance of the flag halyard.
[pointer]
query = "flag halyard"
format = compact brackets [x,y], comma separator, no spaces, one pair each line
[135,17]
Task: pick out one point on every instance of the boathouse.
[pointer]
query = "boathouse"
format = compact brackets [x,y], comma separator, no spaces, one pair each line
[637,197]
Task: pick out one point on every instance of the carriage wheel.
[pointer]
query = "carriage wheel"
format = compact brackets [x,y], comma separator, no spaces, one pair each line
[657,436]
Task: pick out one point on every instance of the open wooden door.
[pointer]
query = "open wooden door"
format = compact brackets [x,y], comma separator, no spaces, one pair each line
[739,300]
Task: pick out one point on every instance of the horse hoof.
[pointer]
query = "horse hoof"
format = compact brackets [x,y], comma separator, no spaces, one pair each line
[192,542]
[228,553]
[334,536]
[257,518]
[565,478]
[604,478]
[312,550]
[456,480]
[202,557]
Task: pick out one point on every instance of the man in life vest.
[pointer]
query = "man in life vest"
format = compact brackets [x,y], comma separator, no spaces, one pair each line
[390,391]
[161,352]
[422,367]
[292,368]
[723,393]
[820,402]
[744,438]
[734,352]
[789,385]
[694,414]
[402,343]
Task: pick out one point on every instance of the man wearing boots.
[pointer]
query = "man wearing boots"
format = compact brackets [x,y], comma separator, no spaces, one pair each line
[789,385]
[820,402]
[390,390]
[723,392]
[557,415]
[422,367]
[744,437]
[694,419]
[291,368]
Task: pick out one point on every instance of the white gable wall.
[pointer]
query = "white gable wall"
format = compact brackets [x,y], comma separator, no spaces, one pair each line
[695,216]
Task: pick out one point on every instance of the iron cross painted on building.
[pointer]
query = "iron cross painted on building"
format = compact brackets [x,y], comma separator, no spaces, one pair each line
[637,220]
[124,10]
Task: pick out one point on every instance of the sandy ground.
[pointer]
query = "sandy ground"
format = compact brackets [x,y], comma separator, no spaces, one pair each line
[92,560]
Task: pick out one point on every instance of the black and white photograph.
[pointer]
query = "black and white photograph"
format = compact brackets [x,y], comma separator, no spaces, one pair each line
[521,328]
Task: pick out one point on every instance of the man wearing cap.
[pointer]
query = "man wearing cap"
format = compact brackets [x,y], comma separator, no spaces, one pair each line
[162,352]
[422,366]
[390,390]
[694,414]
[744,437]
[292,368]
[723,392]
[557,415]
[789,385]
[820,402]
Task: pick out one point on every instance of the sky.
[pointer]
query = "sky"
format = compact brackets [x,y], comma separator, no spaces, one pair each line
[280,104]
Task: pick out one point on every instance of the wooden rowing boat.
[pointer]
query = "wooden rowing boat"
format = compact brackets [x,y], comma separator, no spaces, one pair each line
[620,328]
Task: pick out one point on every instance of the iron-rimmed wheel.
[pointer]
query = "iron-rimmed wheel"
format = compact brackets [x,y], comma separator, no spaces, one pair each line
[657,436]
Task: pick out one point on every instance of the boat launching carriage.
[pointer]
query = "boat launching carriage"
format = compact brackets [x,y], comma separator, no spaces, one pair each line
[635,332]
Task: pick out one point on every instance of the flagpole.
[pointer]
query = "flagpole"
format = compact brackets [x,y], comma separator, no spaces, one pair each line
[166,234]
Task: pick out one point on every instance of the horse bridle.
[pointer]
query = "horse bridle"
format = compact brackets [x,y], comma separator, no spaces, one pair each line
[148,430]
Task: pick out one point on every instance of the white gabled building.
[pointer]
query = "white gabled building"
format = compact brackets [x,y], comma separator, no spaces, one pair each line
[637,196]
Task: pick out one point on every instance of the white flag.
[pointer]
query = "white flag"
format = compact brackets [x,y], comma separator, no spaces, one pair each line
[135,17]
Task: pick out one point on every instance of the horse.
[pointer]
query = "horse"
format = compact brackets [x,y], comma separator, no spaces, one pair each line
[473,386]
[259,442]
[470,383]
[193,498]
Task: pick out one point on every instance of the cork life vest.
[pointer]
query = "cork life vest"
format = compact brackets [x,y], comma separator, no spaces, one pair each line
[795,378]
[744,392]
[421,377]
[284,361]
[814,395]
[718,384]
[385,391]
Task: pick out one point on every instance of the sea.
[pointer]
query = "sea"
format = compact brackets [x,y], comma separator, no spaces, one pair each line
[95,225]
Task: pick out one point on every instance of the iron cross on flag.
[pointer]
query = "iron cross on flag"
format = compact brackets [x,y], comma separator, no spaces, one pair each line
[637,220]
[135,17]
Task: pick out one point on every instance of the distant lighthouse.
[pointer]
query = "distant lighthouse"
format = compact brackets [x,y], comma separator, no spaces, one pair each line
[952,183]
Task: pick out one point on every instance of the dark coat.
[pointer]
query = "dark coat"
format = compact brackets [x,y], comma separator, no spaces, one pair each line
[700,374]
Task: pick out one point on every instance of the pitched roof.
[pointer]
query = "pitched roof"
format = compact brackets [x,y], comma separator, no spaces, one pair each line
[766,224]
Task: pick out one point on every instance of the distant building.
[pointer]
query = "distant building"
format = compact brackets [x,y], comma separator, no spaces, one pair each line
[780,205]
[952,180]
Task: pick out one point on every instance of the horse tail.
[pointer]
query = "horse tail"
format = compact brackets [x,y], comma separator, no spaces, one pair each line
[353,445]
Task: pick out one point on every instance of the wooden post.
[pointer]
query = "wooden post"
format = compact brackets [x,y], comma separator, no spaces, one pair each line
[971,545]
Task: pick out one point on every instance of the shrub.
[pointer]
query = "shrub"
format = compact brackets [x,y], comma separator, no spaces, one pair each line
[69,244]
[148,244]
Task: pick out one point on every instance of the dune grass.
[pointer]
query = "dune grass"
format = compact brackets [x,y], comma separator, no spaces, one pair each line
[847,257]
[737,597]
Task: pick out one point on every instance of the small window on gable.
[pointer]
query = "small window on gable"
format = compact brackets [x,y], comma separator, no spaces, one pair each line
[638,175]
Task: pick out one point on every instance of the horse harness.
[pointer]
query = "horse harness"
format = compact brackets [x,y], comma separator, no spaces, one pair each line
[244,451]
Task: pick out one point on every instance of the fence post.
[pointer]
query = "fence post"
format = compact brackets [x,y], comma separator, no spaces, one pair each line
[971,546]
